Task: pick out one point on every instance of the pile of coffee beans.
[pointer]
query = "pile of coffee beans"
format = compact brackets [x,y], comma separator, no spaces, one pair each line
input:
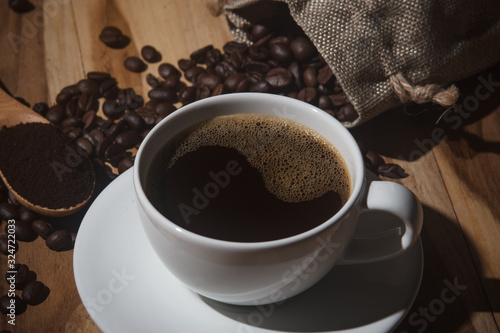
[33,292]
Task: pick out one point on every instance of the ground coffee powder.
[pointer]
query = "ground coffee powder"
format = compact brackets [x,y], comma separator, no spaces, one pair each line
[44,166]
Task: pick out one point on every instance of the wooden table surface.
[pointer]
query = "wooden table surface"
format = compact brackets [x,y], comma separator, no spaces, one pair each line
[457,179]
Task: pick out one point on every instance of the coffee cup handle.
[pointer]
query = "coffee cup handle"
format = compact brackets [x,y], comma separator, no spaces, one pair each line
[392,198]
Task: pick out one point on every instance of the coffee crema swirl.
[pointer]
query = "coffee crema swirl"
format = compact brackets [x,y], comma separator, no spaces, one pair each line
[296,167]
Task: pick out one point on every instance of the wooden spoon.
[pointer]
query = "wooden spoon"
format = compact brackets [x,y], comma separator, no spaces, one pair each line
[13,113]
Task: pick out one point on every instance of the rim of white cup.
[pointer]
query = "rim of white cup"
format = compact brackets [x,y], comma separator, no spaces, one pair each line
[180,232]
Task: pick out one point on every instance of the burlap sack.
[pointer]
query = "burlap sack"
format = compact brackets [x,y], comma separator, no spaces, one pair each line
[388,52]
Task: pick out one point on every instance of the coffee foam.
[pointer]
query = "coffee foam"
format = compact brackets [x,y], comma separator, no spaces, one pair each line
[296,163]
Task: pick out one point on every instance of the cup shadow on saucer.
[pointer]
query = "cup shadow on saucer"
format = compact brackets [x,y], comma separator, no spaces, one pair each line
[348,296]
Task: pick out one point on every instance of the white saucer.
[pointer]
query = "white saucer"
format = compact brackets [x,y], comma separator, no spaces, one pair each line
[125,287]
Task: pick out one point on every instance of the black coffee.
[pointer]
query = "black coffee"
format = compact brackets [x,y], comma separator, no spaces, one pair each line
[248,178]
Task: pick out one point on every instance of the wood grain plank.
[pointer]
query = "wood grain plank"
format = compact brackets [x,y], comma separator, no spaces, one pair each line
[47,60]
[447,256]
[175,28]
[470,164]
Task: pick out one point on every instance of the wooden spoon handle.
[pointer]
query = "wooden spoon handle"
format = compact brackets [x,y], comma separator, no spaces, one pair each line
[13,112]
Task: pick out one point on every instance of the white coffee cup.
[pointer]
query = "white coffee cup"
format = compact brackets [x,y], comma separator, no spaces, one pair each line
[270,271]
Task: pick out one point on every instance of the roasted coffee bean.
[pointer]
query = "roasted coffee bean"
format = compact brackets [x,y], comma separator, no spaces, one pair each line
[172,81]
[279,78]
[26,215]
[191,74]
[236,59]
[244,85]
[259,53]
[310,76]
[112,109]
[225,69]
[134,121]
[260,86]
[199,55]
[167,69]
[128,139]
[74,133]
[164,108]
[294,68]
[209,80]
[263,41]
[163,94]
[95,136]
[129,98]
[152,81]
[187,95]
[21,6]
[257,67]
[59,240]
[338,99]
[325,75]
[259,31]
[373,160]
[114,150]
[55,114]
[391,170]
[308,94]
[202,92]
[185,64]
[98,77]
[35,293]
[125,164]
[8,211]
[41,108]
[212,57]
[6,305]
[150,54]
[89,119]
[42,228]
[114,38]
[219,90]
[347,113]
[324,90]
[71,122]
[324,102]
[87,102]
[71,109]
[231,83]
[5,249]
[281,52]
[71,89]
[117,128]
[232,46]
[103,145]
[63,97]
[87,85]
[109,89]
[135,65]
[84,146]
[303,49]
[22,276]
